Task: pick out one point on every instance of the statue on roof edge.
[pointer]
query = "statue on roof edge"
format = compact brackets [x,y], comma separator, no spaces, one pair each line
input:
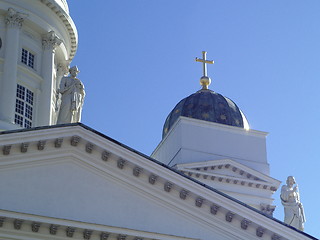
[72,97]
[293,209]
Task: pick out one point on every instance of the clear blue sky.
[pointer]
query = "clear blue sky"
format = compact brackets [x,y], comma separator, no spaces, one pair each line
[136,59]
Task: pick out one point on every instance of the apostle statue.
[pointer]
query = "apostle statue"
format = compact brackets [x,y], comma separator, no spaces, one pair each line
[72,97]
[293,209]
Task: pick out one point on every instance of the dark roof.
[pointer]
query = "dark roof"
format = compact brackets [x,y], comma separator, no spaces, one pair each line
[209,106]
[157,162]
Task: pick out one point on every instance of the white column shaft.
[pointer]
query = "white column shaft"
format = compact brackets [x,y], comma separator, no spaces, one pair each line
[46,96]
[9,80]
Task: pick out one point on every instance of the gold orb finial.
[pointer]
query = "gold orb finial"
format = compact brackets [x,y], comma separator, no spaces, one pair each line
[205,82]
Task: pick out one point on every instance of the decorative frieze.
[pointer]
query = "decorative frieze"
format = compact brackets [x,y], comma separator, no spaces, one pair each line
[275,237]
[24,147]
[87,234]
[229,216]
[245,223]
[267,209]
[2,221]
[244,182]
[58,142]
[136,171]
[214,209]
[122,237]
[17,223]
[120,163]
[70,231]
[104,236]
[273,189]
[89,147]
[105,155]
[168,186]
[183,194]
[14,18]
[53,229]
[199,201]
[35,227]
[74,140]
[260,231]
[152,179]
[41,145]
[6,149]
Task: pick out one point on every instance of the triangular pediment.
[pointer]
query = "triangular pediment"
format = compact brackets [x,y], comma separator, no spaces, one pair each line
[229,171]
[73,172]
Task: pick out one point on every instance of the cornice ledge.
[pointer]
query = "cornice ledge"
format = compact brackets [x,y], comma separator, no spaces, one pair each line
[54,225]
[68,22]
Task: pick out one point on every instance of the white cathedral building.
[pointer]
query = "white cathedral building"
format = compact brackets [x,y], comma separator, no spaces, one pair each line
[207,179]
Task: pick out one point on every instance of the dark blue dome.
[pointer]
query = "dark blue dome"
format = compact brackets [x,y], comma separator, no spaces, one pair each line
[209,106]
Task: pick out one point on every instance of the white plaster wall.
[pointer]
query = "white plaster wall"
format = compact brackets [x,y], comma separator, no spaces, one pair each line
[193,155]
[192,140]
[168,150]
[74,191]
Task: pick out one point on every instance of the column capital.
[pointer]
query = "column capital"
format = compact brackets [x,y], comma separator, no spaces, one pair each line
[14,18]
[50,40]
[62,69]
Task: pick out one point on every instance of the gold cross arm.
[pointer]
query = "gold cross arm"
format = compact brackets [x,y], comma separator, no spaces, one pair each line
[204,61]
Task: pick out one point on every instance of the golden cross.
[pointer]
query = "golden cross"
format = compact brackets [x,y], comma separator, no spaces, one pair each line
[204,61]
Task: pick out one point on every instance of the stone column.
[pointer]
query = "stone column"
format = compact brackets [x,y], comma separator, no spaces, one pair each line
[49,42]
[13,21]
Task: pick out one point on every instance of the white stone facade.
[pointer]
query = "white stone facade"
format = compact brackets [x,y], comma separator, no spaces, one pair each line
[87,183]
[72,182]
[227,158]
[39,39]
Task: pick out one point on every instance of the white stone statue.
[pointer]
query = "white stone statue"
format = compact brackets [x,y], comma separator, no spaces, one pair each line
[293,209]
[72,97]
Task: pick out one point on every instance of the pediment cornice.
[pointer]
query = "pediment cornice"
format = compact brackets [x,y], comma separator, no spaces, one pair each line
[230,172]
[54,228]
